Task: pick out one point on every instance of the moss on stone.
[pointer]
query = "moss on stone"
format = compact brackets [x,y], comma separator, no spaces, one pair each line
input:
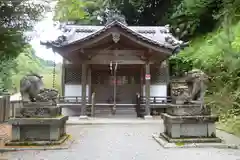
[180,143]
[39,117]
[33,144]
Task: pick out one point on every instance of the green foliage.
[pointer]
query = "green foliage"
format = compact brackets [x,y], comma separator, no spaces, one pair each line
[231,125]
[192,17]
[7,67]
[13,70]
[15,18]
[179,65]
[48,78]
[69,10]
[220,59]
[80,11]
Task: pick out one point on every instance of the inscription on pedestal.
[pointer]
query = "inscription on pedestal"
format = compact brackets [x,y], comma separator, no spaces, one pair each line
[44,112]
[187,110]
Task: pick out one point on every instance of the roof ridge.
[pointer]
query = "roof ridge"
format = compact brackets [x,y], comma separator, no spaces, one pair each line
[157,35]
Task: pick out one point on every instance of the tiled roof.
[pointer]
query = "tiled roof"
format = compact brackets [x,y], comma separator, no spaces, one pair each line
[157,35]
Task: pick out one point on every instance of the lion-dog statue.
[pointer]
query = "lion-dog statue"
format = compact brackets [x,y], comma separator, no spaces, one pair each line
[32,89]
[194,91]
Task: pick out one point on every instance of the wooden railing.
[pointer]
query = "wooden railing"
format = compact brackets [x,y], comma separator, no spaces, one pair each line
[156,100]
[78,99]
[71,99]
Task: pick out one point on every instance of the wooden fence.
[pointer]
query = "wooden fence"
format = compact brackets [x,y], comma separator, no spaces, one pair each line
[5,108]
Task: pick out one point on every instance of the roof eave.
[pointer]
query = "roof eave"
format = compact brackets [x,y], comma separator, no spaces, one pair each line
[179,48]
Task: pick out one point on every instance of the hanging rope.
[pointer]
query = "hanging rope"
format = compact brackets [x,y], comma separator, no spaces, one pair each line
[54,72]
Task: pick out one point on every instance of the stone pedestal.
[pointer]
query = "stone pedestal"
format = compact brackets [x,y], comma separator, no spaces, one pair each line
[189,123]
[38,124]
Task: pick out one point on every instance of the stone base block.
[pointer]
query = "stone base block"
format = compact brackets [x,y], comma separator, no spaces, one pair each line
[187,110]
[189,119]
[38,129]
[189,126]
[41,112]
[191,139]
[38,143]
[180,144]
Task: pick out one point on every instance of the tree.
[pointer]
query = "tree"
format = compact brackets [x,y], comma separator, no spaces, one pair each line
[16,17]
[80,11]
[187,18]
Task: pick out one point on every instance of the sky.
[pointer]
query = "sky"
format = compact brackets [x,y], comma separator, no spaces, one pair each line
[44,30]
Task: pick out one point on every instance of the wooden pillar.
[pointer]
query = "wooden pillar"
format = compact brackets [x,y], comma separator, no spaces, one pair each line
[84,89]
[89,79]
[141,80]
[115,86]
[168,78]
[63,78]
[147,88]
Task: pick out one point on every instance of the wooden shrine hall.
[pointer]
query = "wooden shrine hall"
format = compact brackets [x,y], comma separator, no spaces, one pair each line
[106,67]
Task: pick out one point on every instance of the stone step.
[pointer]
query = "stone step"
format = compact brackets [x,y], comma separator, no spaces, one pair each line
[122,111]
[117,112]
[118,109]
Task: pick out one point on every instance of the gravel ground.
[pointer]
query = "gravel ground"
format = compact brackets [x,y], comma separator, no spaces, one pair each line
[122,142]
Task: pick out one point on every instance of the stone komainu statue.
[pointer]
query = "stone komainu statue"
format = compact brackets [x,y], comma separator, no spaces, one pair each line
[197,83]
[30,86]
[180,94]
[195,89]
[32,89]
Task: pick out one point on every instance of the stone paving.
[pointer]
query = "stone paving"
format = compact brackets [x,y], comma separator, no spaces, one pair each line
[5,133]
[122,141]
[113,120]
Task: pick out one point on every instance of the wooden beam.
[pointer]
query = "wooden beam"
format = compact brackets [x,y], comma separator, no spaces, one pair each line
[119,62]
[106,46]
[141,79]
[168,78]
[63,78]
[119,45]
[89,79]
[109,52]
[102,59]
[103,45]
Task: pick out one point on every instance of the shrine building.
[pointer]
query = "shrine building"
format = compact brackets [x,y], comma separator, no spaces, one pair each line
[115,62]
